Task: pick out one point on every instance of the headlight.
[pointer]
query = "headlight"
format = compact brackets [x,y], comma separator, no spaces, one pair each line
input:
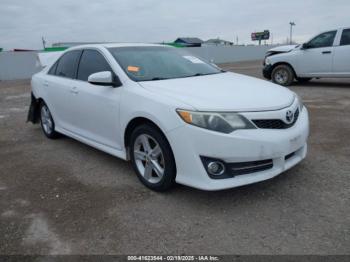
[300,102]
[220,122]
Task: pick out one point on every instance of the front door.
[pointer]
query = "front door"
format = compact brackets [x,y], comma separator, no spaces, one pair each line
[317,58]
[97,107]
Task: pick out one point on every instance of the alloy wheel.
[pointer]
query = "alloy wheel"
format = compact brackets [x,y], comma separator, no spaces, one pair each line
[149,158]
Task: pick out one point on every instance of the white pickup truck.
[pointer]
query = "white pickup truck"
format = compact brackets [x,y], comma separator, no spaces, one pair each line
[325,55]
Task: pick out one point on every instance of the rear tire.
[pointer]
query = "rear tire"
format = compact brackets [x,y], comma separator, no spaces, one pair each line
[283,75]
[152,158]
[47,123]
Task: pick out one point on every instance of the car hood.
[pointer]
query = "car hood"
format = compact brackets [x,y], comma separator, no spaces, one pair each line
[283,49]
[224,92]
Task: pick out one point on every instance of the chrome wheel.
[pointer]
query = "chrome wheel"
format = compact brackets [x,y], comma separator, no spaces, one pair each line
[281,76]
[149,158]
[46,120]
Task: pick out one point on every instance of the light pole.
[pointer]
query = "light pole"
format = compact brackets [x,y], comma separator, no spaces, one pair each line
[44,42]
[291,31]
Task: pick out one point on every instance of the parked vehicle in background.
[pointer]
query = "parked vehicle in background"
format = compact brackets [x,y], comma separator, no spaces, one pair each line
[175,116]
[325,55]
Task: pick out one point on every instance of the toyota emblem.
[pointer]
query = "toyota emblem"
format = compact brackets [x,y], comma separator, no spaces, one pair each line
[289,116]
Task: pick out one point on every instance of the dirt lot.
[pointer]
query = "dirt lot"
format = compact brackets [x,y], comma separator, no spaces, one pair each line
[63,197]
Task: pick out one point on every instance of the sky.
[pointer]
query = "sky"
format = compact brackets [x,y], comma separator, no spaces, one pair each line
[24,22]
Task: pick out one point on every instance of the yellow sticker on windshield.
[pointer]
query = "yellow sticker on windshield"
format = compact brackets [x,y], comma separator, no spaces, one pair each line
[133,68]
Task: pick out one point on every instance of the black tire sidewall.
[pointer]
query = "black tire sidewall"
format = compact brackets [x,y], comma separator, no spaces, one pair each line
[289,71]
[168,179]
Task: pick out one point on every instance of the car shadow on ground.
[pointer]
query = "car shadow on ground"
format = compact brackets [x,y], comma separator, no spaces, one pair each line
[325,83]
[253,190]
[261,191]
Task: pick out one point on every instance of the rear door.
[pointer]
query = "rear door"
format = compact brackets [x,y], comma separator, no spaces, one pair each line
[317,59]
[96,107]
[341,62]
[59,83]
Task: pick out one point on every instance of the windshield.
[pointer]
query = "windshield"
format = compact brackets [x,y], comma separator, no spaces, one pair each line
[147,63]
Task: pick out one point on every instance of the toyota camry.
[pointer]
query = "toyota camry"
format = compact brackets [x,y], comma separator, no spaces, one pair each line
[176,117]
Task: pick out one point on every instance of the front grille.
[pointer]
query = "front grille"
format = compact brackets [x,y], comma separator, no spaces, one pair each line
[275,123]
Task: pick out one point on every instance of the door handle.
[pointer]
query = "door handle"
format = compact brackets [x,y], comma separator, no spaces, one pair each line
[74,90]
[46,83]
[326,52]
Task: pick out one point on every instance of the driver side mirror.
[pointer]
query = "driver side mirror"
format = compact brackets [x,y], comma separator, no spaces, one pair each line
[104,78]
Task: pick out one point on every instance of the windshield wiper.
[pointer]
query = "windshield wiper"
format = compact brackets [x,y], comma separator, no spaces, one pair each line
[204,74]
[155,79]
[197,74]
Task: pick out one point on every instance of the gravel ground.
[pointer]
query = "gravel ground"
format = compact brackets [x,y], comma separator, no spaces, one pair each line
[63,197]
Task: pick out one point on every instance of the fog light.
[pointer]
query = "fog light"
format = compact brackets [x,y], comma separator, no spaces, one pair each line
[216,168]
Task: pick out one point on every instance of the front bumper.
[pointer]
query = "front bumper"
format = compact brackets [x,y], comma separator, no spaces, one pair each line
[267,71]
[190,142]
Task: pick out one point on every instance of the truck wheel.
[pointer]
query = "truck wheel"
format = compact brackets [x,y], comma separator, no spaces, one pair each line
[283,75]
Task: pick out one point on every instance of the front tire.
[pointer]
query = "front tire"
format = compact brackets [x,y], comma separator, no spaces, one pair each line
[152,158]
[283,75]
[46,122]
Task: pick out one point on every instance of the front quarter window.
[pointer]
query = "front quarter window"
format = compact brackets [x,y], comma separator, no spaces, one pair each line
[91,62]
[323,40]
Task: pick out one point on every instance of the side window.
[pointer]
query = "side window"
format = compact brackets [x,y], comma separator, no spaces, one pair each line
[345,38]
[323,40]
[91,62]
[68,63]
[53,68]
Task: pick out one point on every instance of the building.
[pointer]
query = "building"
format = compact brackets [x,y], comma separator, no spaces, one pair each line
[189,41]
[217,41]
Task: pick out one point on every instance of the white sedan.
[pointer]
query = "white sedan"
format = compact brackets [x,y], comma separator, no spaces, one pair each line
[175,116]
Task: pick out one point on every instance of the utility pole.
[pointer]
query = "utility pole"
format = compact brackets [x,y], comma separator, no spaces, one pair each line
[291,32]
[271,39]
[44,42]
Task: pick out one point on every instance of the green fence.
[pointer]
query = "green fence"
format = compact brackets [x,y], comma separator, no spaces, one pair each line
[55,49]
[174,44]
